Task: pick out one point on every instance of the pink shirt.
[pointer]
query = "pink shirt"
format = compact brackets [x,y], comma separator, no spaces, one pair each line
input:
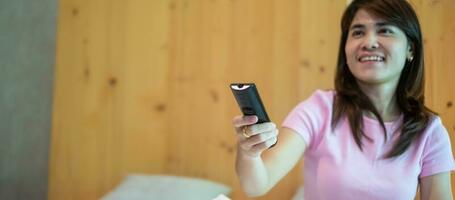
[335,167]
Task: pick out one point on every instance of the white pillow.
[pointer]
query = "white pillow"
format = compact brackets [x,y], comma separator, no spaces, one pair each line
[164,187]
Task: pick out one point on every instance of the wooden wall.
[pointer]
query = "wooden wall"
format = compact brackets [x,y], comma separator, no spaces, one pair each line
[142,86]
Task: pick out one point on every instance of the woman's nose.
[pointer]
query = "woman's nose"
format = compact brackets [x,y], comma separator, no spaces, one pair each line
[370,41]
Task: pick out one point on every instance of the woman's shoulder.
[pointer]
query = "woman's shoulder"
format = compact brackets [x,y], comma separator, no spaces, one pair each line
[435,124]
[437,153]
[324,92]
[434,132]
[311,115]
[319,101]
[321,97]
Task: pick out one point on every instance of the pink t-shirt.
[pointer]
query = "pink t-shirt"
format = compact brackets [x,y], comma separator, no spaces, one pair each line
[335,167]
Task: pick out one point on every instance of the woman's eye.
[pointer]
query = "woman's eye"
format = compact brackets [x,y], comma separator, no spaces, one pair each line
[357,33]
[386,31]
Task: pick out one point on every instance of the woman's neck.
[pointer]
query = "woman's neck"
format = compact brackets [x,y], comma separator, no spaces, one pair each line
[384,100]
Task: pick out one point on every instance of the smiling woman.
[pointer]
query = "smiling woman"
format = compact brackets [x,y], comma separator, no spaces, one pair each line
[371,138]
[375,50]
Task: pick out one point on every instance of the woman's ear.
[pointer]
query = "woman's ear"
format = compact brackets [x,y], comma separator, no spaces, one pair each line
[409,54]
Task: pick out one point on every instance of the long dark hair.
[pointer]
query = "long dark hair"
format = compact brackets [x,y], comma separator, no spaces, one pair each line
[351,102]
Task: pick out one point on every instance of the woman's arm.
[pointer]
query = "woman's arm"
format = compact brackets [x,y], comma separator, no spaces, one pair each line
[436,187]
[259,174]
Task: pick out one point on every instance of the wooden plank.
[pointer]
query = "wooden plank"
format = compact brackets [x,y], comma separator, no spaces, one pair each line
[105,99]
[320,32]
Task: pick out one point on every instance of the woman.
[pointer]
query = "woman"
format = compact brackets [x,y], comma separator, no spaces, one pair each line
[371,138]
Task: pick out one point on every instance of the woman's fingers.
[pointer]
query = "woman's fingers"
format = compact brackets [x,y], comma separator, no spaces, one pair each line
[254,138]
[265,145]
[257,139]
[259,128]
[240,120]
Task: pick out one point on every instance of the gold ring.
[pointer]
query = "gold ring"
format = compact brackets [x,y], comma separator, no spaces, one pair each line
[244,132]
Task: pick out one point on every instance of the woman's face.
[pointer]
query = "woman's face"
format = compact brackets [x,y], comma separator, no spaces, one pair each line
[376,51]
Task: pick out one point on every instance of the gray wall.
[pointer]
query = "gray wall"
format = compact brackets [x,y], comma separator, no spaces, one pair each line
[27,53]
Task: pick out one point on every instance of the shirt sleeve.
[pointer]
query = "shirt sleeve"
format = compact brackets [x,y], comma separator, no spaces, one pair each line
[437,154]
[309,116]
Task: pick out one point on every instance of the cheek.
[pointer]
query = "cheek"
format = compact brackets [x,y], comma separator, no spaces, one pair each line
[349,51]
[399,55]
[350,57]
[397,49]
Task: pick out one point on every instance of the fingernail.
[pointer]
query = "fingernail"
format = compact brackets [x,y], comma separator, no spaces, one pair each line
[250,117]
[254,118]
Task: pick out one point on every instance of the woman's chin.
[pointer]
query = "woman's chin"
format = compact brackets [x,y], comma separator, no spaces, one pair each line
[372,80]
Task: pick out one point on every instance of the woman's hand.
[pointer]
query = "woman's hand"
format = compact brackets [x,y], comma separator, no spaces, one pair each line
[253,138]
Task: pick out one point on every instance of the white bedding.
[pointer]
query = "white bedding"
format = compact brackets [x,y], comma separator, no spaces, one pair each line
[164,187]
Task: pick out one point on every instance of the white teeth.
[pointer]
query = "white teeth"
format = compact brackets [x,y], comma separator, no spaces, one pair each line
[371,58]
